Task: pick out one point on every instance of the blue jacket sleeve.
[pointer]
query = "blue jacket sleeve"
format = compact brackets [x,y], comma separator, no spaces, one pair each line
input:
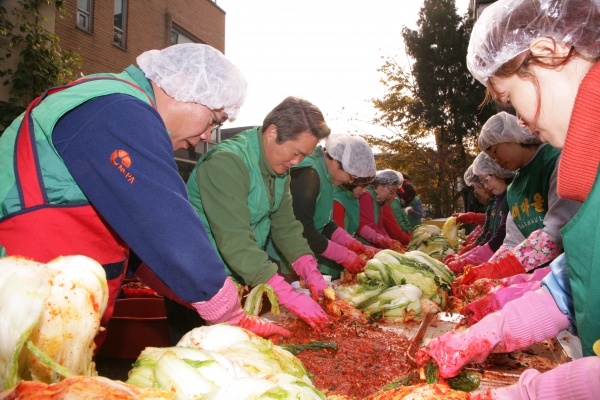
[146,201]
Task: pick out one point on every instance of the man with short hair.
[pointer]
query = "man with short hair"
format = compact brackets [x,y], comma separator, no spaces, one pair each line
[89,170]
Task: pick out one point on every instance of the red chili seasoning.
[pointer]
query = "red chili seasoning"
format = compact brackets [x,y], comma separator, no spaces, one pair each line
[368,357]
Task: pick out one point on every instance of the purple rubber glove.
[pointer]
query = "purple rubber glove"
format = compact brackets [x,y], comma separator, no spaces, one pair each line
[577,379]
[496,299]
[299,304]
[529,319]
[306,267]
[225,307]
[536,275]
[348,259]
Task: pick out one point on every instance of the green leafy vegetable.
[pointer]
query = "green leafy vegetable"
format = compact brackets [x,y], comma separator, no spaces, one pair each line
[254,300]
[314,345]
[466,381]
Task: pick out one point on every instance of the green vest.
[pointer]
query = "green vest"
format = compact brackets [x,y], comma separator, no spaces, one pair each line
[527,195]
[581,240]
[376,211]
[412,220]
[324,206]
[61,188]
[490,206]
[496,217]
[400,214]
[350,203]
[246,146]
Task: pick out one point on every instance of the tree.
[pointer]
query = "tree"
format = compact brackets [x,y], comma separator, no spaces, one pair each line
[432,110]
[43,63]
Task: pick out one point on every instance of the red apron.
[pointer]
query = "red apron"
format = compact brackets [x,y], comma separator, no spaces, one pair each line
[43,231]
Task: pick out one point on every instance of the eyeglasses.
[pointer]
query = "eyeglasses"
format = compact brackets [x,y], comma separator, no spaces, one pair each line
[216,124]
[487,180]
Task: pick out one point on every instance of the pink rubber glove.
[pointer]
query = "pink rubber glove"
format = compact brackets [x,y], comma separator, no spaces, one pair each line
[537,249]
[225,307]
[574,380]
[536,275]
[299,304]
[306,267]
[468,247]
[496,299]
[372,236]
[529,319]
[479,254]
[345,257]
[343,238]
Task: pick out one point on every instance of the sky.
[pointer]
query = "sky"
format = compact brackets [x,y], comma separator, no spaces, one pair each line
[325,51]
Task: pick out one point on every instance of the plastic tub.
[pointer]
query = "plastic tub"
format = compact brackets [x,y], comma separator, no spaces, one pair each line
[136,324]
[296,286]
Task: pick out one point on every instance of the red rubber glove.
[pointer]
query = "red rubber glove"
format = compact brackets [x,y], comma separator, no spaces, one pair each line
[467,248]
[306,267]
[470,218]
[449,258]
[225,307]
[505,267]
[354,264]
[299,304]
[458,264]
[496,299]
[389,243]
[357,247]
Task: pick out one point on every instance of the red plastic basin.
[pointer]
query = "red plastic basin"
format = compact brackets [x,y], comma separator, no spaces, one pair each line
[136,324]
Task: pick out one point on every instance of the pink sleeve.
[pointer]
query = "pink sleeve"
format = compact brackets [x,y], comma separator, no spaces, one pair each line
[579,379]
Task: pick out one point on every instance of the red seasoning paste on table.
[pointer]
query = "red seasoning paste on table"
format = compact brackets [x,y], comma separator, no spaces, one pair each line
[367,358]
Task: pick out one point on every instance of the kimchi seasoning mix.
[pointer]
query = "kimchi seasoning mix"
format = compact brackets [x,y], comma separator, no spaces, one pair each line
[367,358]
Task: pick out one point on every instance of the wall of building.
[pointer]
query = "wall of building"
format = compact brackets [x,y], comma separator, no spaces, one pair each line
[148,23]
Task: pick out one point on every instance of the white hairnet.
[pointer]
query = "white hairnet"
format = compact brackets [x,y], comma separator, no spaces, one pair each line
[353,152]
[386,177]
[504,128]
[485,165]
[506,28]
[197,73]
[471,179]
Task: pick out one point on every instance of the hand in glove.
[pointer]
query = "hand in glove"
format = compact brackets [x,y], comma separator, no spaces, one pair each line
[476,256]
[536,275]
[467,248]
[341,237]
[574,380]
[449,258]
[470,218]
[225,307]
[496,299]
[306,267]
[389,243]
[341,255]
[299,304]
[529,319]
[507,266]
[537,249]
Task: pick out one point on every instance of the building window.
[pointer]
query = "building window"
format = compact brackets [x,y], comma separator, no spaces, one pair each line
[178,38]
[85,9]
[120,29]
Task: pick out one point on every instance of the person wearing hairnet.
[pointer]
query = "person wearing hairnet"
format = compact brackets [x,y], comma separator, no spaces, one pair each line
[485,197]
[241,191]
[411,202]
[343,159]
[399,212]
[372,202]
[541,56]
[537,213]
[390,223]
[94,174]
[496,179]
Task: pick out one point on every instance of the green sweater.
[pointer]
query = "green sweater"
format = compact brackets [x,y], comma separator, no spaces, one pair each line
[224,184]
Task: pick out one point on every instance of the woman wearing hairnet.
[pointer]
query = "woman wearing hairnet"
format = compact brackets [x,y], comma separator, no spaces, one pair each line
[480,232]
[372,203]
[390,222]
[343,159]
[537,213]
[496,179]
[241,191]
[100,176]
[545,66]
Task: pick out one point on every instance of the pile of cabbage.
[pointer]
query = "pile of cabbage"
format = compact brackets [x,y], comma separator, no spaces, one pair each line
[223,362]
[436,242]
[49,316]
[395,285]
